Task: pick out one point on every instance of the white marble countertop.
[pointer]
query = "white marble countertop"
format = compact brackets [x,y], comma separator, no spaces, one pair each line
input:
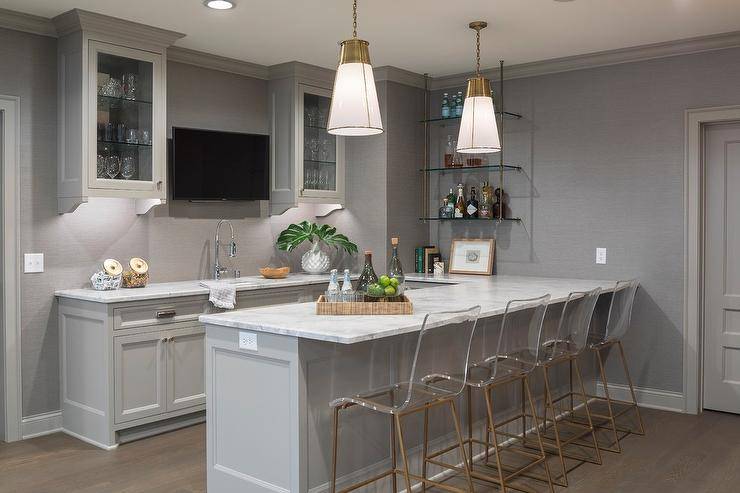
[491,292]
[187,288]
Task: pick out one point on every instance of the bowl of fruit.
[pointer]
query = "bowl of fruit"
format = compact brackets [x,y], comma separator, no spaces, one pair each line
[386,287]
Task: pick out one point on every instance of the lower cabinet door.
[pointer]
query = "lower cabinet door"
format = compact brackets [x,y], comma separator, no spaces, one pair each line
[139,376]
[186,367]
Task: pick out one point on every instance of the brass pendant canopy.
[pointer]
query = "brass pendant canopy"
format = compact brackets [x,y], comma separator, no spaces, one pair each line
[478,86]
[354,51]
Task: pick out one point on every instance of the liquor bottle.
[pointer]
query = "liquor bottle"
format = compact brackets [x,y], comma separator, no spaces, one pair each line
[449,152]
[347,290]
[499,209]
[332,291]
[445,106]
[459,104]
[460,211]
[484,210]
[394,268]
[446,211]
[451,198]
[368,275]
[472,205]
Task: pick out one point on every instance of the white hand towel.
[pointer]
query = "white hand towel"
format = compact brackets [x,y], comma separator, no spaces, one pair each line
[222,294]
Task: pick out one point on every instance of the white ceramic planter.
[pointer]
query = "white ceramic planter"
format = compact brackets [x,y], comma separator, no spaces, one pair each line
[315,261]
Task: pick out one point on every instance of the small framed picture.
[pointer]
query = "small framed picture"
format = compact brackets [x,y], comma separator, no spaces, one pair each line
[472,257]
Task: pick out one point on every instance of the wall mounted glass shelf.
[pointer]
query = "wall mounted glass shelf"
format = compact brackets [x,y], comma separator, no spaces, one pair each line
[111,102]
[507,114]
[319,162]
[466,169]
[516,219]
[123,144]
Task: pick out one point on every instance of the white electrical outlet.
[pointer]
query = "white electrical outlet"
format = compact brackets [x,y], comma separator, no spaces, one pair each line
[248,341]
[601,255]
[33,263]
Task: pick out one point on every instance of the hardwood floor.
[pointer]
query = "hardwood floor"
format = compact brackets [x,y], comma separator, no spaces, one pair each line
[681,453]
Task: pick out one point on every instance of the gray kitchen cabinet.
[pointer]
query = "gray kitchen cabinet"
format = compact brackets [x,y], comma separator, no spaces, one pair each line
[185,368]
[307,163]
[140,375]
[131,369]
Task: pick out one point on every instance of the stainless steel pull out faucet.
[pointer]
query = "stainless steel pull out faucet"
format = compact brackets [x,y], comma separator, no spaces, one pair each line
[218,269]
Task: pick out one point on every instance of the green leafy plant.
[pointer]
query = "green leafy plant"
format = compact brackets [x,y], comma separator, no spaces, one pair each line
[296,234]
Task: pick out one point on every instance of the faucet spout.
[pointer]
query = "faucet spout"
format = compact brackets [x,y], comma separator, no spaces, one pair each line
[218,269]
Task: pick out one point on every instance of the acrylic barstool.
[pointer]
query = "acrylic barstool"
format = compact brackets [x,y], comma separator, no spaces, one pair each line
[564,345]
[618,321]
[512,358]
[442,351]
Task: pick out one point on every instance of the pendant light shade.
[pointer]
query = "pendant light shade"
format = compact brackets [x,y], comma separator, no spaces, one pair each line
[354,104]
[478,126]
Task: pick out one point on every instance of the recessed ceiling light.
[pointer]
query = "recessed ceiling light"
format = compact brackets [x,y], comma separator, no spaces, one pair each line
[219,4]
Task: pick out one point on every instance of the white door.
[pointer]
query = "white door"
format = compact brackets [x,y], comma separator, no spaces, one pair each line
[722,268]
[2,296]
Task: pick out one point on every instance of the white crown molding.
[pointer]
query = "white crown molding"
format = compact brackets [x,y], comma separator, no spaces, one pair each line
[216,62]
[399,76]
[18,21]
[83,20]
[304,71]
[600,59]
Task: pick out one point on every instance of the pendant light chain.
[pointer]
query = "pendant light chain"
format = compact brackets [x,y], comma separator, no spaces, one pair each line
[354,19]
[477,52]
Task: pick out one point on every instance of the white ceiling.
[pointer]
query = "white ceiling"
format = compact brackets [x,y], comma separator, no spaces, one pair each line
[418,35]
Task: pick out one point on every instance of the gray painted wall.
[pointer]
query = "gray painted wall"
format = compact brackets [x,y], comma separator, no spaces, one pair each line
[603,151]
[175,238]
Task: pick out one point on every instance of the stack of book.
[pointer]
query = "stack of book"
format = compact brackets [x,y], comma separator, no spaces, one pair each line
[425,258]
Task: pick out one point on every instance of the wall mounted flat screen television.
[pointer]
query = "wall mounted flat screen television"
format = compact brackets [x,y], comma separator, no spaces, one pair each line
[214,165]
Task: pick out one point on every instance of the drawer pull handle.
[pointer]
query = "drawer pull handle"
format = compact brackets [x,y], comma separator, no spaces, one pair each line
[166,314]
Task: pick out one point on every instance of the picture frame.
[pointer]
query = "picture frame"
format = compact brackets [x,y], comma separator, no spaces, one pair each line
[472,256]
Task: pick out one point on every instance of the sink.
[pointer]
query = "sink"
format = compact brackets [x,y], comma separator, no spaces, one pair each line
[240,281]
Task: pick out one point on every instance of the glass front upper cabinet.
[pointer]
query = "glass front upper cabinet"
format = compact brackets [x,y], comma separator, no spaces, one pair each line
[126,135]
[320,156]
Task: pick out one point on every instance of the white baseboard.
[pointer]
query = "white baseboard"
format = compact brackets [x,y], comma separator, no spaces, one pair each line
[87,440]
[664,400]
[41,424]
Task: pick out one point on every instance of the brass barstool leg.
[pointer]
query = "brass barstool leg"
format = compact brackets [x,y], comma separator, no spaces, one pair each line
[492,428]
[536,423]
[570,384]
[608,401]
[399,431]
[469,396]
[632,389]
[549,405]
[393,454]
[588,413]
[524,414]
[425,450]
[466,463]
[335,426]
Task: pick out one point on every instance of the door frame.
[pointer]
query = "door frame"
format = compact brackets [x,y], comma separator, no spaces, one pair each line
[11,313]
[693,315]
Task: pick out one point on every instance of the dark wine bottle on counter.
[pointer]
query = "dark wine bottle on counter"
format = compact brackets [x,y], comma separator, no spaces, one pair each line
[472,206]
[368,275]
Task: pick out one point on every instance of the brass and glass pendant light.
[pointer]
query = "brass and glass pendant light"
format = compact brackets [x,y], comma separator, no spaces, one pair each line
[478,127]
[354,104]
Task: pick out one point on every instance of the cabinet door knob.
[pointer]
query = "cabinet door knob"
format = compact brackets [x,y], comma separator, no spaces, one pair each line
[171,339]
[164,339]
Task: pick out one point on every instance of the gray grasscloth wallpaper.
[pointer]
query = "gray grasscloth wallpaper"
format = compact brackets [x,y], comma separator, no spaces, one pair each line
[175,238]
[603,154]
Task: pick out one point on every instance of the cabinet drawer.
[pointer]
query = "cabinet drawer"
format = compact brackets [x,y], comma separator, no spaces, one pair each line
[158,314]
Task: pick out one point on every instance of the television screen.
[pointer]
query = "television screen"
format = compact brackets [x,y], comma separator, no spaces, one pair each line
[214,165]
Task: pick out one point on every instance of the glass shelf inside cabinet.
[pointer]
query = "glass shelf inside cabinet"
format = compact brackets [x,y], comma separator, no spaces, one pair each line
[506,114]
[319,146]
[466,169]
[115,143]
[516,219]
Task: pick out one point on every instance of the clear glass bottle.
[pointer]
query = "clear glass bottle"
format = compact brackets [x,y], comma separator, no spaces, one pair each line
[449,152]
[347,290]
[368,275]
[395,271]
[460,208]
[446,211]
[484,210]
[459,103]
[445,106]
[332,292]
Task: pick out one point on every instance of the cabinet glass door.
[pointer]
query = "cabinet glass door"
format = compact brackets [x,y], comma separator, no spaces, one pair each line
[319,147]
[124,102]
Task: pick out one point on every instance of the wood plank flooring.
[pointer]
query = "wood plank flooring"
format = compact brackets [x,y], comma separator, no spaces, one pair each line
[681,453]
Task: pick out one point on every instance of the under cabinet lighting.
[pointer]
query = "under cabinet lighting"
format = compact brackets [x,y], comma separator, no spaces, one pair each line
[219,4]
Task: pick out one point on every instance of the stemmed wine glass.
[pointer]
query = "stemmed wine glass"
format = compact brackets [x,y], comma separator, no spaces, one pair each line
[128,165]
[112,166]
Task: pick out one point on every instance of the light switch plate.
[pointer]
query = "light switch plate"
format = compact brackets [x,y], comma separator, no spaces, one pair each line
[33,263]
[601,255]
[248,341]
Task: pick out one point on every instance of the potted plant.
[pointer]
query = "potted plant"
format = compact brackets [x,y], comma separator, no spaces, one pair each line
[314,261]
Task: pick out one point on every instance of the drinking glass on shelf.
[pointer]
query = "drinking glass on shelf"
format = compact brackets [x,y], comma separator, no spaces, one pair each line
[145,137]
[312,116]
[324,152]
[323,120]
[130,86]
[112,166]
[132,136]
[102,161]
[323,179]
[108,132]
[128,165]
[120,132]
[313,145]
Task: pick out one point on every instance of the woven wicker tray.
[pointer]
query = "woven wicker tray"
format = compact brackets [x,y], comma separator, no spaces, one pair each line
[399,305]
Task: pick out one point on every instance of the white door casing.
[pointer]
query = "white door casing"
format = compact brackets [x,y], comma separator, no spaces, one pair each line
[722,268]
